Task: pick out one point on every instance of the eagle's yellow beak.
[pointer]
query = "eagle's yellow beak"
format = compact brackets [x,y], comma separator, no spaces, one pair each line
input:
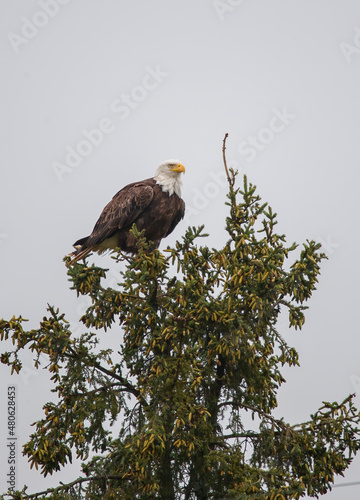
[179,168]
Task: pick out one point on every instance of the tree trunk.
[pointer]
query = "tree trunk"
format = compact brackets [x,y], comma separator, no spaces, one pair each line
[166,491]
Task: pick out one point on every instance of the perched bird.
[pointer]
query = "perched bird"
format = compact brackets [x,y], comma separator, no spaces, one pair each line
[153,204]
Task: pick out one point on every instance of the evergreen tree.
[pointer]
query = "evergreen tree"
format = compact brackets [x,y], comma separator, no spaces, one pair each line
[199,352]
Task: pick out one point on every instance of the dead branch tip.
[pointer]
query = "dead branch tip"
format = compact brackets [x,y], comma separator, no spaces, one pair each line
[224,159]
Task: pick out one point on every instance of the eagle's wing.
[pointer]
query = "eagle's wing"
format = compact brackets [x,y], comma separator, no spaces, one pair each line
[179,215]
[123,209]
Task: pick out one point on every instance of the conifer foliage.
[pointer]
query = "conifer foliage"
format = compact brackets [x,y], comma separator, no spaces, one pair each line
[195,378]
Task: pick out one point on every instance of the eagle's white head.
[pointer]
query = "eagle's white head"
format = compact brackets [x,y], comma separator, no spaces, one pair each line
[168,176]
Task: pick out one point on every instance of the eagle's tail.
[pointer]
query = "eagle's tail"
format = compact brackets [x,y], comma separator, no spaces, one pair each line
[80,252]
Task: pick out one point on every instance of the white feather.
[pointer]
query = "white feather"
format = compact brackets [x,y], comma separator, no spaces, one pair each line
[169,181]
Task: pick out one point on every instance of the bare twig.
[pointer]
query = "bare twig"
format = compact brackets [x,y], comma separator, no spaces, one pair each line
[224,159]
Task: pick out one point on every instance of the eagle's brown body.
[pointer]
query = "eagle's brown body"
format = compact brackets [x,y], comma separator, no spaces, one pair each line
[144,203]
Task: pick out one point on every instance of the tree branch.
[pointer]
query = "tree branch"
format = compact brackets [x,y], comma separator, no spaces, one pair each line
[130,388]
[77,481]
[123,381]
[262,413]
[244,435]
[224,159]
[104,388]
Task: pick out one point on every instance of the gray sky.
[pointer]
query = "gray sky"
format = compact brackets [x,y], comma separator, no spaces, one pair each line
[95,95]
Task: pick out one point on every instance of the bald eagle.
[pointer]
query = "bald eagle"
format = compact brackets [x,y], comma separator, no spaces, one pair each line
[153,204]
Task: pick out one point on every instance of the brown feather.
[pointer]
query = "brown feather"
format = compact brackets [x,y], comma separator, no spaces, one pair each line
[143,203]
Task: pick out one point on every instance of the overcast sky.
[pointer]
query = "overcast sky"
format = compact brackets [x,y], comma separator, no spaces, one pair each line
[95,94]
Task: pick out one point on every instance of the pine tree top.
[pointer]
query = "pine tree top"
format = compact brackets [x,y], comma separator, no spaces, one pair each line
[200,351]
